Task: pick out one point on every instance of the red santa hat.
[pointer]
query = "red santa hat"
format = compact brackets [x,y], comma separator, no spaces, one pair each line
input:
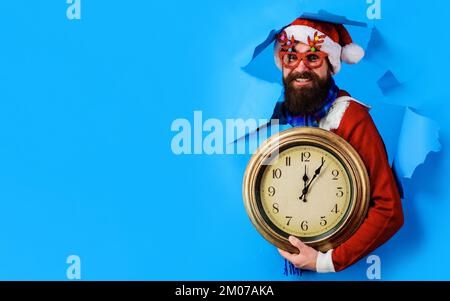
[337,43]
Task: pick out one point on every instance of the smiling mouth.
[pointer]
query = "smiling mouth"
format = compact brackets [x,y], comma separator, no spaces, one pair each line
[302,80]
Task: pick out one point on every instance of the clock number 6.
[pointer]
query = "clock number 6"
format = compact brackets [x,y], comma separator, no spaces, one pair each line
[304,226]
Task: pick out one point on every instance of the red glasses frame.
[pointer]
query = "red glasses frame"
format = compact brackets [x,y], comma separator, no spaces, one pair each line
[302,57]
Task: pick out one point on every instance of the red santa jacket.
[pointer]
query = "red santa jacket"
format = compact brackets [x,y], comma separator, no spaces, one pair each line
[352,121]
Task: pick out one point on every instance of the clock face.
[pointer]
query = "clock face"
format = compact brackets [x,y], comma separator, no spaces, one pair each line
[305,191]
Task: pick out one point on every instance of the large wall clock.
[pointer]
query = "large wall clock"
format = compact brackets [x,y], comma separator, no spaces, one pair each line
[309,183]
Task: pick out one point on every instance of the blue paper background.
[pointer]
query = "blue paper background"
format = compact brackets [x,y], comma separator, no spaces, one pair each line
[86,107]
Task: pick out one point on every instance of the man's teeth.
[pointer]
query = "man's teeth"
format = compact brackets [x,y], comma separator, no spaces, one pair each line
[302,80]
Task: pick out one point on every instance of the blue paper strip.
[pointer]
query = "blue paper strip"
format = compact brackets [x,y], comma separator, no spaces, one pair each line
[388,83]
[418,137]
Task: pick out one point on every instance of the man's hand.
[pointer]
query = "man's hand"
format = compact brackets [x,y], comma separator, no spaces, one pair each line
[307,257]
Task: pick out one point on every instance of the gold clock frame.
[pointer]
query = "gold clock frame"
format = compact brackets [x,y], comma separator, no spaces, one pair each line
[359,181]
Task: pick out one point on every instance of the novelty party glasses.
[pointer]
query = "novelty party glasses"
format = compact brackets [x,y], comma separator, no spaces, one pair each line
[311,59]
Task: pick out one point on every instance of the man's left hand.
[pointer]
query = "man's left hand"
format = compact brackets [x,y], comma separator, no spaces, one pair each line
[307,257]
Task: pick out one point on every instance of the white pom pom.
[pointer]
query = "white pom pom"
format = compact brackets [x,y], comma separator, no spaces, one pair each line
[352,53]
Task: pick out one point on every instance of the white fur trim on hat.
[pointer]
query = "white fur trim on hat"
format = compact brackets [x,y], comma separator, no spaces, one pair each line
[352,53]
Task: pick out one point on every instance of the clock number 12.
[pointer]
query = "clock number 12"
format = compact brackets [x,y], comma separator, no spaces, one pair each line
[306,156]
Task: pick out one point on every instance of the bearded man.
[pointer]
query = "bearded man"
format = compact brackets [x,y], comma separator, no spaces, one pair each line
[309,53]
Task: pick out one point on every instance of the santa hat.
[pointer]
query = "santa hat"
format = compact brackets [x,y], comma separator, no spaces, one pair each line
[337,42]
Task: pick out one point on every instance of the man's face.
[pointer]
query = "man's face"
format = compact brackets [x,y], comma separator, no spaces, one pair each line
[306,89]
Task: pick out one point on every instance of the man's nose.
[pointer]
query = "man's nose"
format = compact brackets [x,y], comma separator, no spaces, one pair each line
[302,67]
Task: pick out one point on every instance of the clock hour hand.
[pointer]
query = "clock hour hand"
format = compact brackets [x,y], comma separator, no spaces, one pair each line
[305,180]
[316,173]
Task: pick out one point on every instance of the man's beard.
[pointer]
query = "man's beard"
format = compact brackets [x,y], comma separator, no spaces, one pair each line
[306,100]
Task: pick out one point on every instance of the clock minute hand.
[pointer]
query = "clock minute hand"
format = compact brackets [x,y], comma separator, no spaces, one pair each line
[316,173]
